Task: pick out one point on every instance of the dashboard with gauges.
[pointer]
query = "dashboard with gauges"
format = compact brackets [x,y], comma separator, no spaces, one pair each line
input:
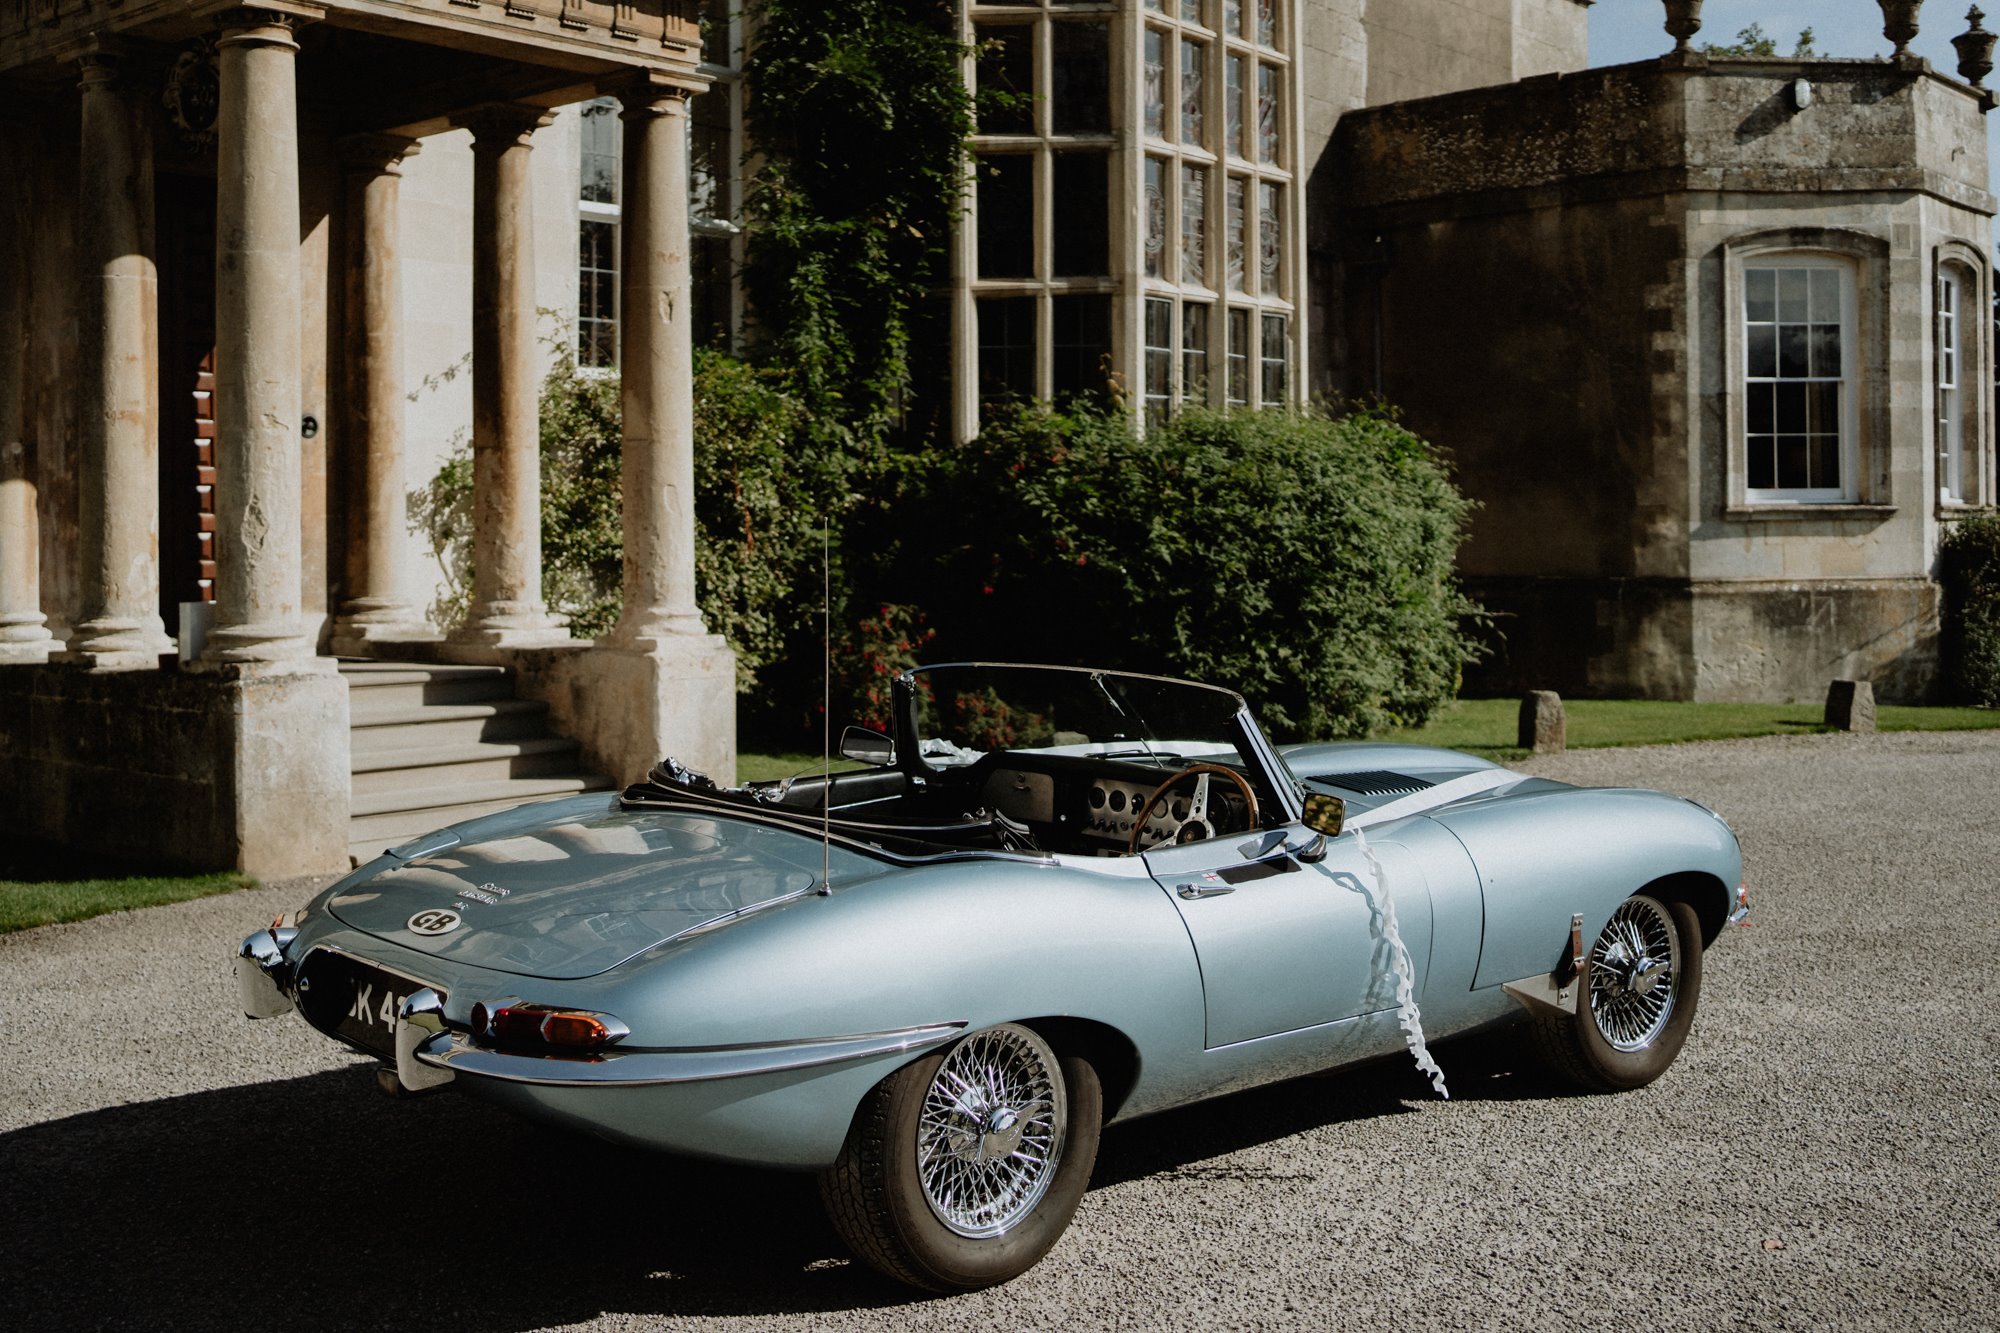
[1084,803]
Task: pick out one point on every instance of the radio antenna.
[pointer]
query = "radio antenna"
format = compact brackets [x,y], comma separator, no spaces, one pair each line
[825,706]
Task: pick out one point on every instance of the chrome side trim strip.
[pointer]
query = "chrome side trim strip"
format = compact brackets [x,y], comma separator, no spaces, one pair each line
[455,1052]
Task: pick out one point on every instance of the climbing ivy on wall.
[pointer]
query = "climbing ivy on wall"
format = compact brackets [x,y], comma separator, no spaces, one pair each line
[861,114]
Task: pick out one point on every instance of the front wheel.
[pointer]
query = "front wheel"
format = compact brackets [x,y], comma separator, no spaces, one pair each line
[963,1169]
[1645,979]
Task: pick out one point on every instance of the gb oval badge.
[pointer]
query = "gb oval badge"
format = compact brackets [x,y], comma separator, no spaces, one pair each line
[434,921]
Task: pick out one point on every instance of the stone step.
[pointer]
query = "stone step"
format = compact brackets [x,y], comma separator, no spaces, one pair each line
[376,685]
[447,767]
[371,834]
[401,727]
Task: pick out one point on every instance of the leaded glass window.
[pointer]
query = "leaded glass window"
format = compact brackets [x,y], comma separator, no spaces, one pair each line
[1080,98]
[1156,83]
[1267,22]
[1007,66]
[1267,114]
[1194,225]
[1156,217]
[1274,361]
[1232,105]
[1006,215]
[1192,54]
[1081,334]
[1194,352]
[1234,223]
[1270,238]
[1159,359]
[1237,355]
[1007,347]
[1083,202]
[1232,17]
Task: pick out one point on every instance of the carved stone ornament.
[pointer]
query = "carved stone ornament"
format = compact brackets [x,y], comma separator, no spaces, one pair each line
[1899,22]
[1975,50]
[193,92]
[1683,21]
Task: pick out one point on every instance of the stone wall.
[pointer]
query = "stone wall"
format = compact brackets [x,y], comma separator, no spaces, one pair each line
[1418,48]
[185,770]
[1544,277]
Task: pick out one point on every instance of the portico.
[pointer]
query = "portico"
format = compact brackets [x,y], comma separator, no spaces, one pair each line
[204,436]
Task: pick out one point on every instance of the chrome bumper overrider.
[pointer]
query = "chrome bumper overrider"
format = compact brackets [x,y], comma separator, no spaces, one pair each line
[263,977]
[447,1053]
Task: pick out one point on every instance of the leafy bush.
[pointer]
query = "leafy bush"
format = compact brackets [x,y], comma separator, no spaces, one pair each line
[1969,569]
[861,115]
[758,498]
[1305,560]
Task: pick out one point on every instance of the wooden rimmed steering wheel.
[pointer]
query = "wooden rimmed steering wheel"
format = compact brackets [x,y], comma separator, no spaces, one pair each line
[1196,825]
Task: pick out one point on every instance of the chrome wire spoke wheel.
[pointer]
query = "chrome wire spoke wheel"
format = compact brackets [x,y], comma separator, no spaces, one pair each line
[990,1132]
[1635,970]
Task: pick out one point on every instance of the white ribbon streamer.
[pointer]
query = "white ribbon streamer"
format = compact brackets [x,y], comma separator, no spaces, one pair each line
[1407,1016]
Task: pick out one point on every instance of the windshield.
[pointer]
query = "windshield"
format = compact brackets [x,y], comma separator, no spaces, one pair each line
[964,712]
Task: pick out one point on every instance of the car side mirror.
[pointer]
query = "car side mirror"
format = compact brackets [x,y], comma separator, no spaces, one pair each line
[867,746]
[1325,815]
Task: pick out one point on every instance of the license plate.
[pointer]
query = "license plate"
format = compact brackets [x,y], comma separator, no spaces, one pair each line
[353,1000]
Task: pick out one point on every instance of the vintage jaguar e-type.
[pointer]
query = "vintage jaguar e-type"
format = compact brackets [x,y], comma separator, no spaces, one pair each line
[1052,899]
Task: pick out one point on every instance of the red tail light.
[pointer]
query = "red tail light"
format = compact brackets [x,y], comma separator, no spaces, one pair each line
[543,1025]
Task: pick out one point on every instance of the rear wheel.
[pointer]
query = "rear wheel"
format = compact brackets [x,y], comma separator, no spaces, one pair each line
[1645,980]
[963,1169]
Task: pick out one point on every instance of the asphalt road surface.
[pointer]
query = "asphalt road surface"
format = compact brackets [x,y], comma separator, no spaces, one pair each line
[1825,1154]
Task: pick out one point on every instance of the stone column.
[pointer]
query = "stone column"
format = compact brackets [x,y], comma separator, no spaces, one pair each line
[257,363]
[377,605]
[656,367]
[119,624]
[507,609]
[23,635]
[659,684]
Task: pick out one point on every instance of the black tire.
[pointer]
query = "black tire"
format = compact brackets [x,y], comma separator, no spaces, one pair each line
[876,1195]
[1618,1039]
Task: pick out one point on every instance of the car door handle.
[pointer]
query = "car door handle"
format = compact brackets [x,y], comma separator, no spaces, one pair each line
[1193,891]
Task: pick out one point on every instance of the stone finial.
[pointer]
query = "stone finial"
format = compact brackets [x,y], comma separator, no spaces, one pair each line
[1542,728]
[1683,21]
[1850,705]
[1899,22]
[1975,50]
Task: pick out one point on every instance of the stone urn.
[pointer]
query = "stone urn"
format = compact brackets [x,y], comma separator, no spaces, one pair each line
[1975,50]
[1683,21]
[1899,22]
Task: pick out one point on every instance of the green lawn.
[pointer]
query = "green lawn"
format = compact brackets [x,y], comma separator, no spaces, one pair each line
[25,905]
[1487,726]
[770,767]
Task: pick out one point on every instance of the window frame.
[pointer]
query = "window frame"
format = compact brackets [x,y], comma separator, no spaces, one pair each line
[1863,259]
[1967,266]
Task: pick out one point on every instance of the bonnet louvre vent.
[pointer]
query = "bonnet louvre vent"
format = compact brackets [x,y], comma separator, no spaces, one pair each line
[1376,782]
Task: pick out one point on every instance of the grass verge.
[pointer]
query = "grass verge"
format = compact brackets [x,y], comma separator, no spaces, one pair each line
[29,903]
[1486,727]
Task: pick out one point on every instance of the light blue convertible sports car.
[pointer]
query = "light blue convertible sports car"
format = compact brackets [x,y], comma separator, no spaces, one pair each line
[1051,900]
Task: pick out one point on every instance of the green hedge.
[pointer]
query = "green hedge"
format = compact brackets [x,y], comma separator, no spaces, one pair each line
[1305,560]
[758,496]
[1969,569]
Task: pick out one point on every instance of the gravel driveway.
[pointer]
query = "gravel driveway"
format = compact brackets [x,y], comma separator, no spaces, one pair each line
[1824,1155]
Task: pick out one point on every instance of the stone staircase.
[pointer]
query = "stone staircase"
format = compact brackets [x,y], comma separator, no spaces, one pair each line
[433,745]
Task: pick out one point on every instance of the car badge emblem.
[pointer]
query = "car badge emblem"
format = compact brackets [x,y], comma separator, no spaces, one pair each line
[434,921]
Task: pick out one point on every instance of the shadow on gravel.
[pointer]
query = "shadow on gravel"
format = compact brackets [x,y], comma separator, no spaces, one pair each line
[315,1203]
[1179,1142]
